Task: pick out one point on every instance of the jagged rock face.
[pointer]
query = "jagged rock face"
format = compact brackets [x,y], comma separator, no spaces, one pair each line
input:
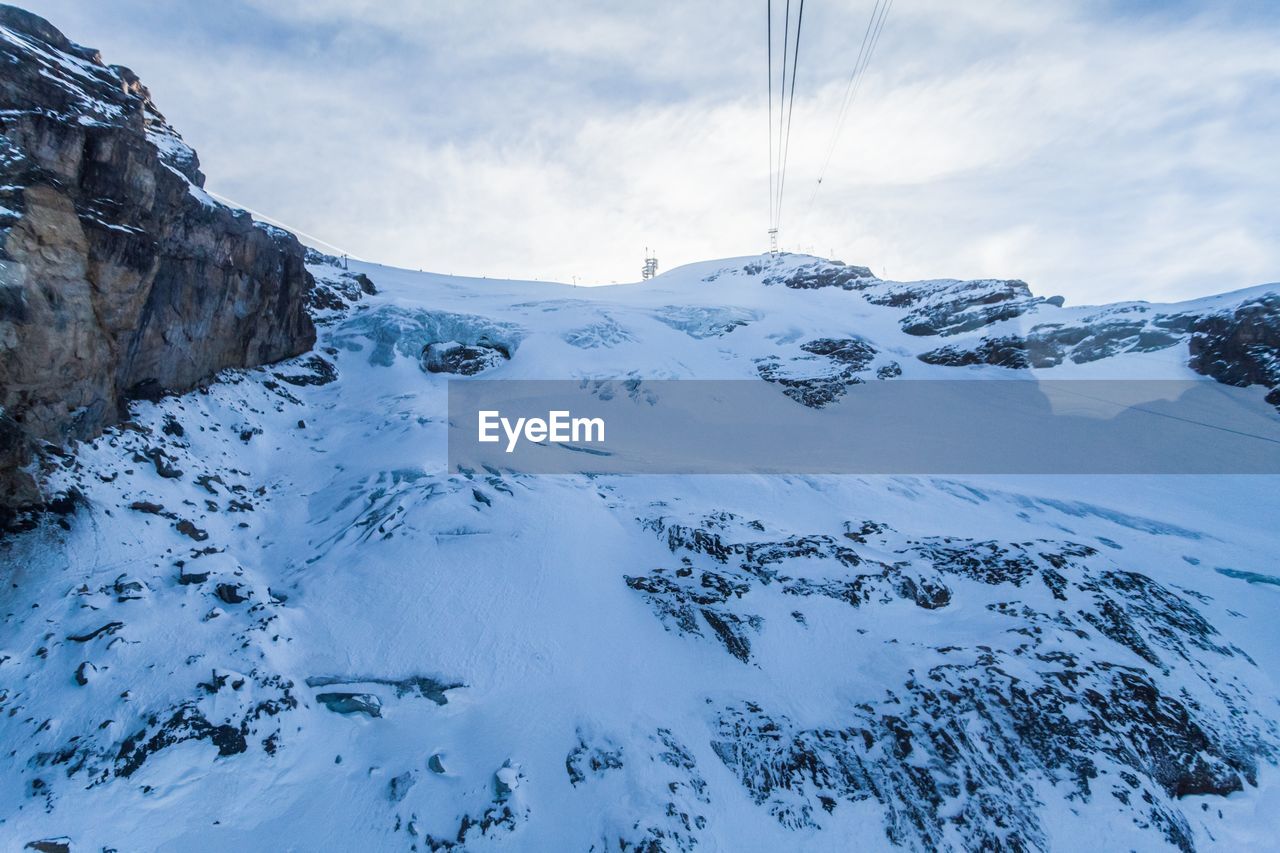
[1235,345]
[465,360]
[1241,347]
[117,272]
[824,373]
[1003,352]
[1040,700]
[1051,344]
[938,307]
[332,294]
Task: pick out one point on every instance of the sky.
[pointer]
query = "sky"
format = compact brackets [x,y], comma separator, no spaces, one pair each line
[1098,149]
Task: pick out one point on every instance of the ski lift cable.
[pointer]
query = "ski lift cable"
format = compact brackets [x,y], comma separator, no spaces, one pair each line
[795,61]
[851,94]
[769,39]
[1139,408]
[857,79]
[782,95]
[862,72]
[875,28]
[273,221]
[854,77]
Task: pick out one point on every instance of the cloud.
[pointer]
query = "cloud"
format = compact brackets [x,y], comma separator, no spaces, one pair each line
[1099,150]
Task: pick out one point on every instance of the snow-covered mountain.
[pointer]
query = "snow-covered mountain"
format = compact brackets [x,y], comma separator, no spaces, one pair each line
[271,618]
[261,611]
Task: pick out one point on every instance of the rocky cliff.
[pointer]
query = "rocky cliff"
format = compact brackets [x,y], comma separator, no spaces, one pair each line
[119,276]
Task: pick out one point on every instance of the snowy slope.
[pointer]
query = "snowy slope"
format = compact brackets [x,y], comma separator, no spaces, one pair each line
[297,630]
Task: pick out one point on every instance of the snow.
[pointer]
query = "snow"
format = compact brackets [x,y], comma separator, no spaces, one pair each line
[76,75]
[367,561]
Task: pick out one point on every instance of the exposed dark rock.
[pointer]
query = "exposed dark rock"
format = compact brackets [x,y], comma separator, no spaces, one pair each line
[128,589]
[163,464]
[84,672]
[207,481]
[499,817]
[215,683]
[338,289]
[502,814]
[948,756]
[1051,344]
[186,723]
[830,274]
[729,628]
[852,352]
[681,821]
[398,787]
[463,359]
[679,603]
[18,480]
[119,276]
[505,781]
[950,307]
[84,752]
[319,371]
[186,528]
[823,375]
[592,760]
[147,391]
[106,630]
[1002,352]
[231,593]
[351,703]
[937,307]
[1241,347]
[26,516]
[684,603]
[50,845]
[972,735]
[1112,337]
[423,686]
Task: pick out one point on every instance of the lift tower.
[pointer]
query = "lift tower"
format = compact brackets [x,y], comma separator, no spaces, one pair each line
[650,265]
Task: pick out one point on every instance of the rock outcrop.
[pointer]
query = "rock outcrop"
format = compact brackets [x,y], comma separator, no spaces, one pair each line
[119,276]
[1235,342]
[1241,347]
[944,306]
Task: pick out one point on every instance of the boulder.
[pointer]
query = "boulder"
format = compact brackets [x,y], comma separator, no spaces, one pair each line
[351,703]
[463,359]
